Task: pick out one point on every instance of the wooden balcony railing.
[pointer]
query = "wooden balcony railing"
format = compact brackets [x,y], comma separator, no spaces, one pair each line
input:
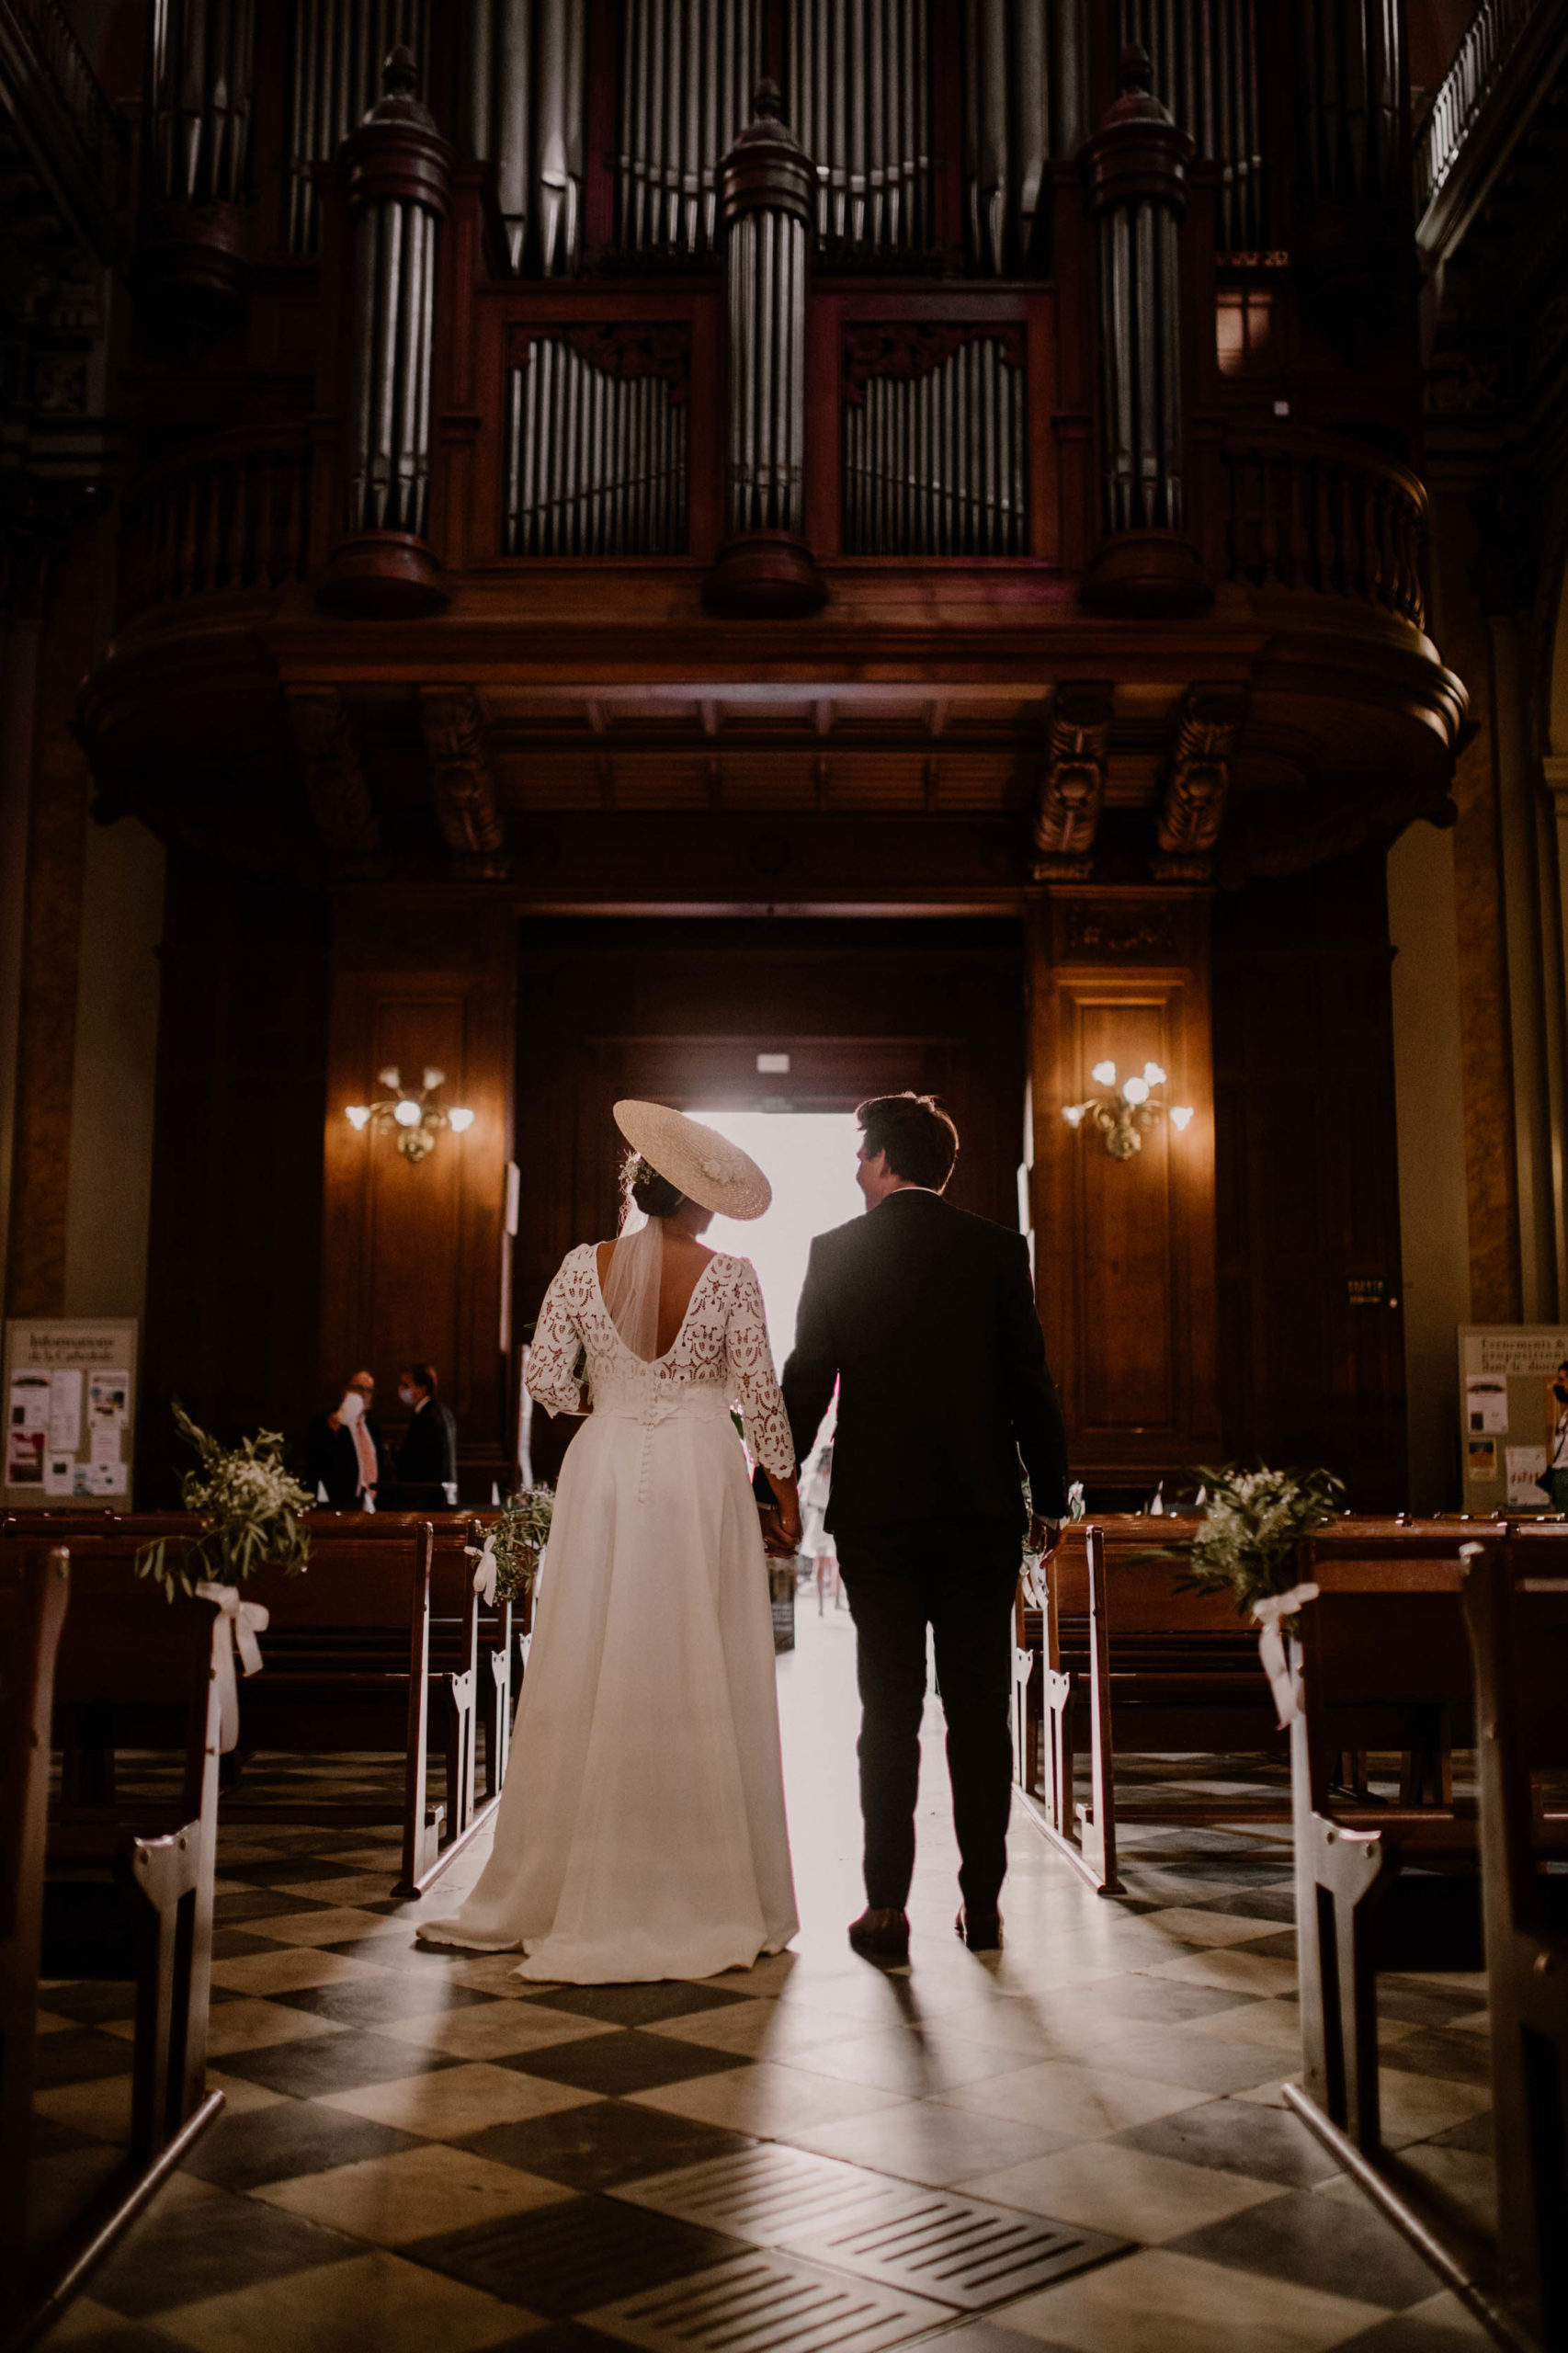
[1464,90]
[231,512]
[1306,512]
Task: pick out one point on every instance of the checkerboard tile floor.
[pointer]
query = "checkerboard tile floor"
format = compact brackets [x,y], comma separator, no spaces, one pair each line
[418,2150]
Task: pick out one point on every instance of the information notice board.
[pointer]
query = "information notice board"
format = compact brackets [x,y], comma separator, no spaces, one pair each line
[1515,1425]
[70,1412]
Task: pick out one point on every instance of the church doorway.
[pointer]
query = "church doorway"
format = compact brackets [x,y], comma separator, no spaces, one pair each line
[783,1024]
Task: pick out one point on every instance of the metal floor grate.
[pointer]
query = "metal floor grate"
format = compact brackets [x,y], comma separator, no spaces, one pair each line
[767,2303]
[963,2251]
[772,2194]
[958,2250]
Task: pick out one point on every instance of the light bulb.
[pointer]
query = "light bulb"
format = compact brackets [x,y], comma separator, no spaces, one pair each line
[1136,1091]
[1104,1073]
[1072,1113]
[1181,1116]
[460,1122]
[1153,1073]
[407,1114]
[358,1115]
[388,1078]
[433,1079]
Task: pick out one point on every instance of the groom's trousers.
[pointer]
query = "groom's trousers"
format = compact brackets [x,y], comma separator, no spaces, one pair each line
[959,1579]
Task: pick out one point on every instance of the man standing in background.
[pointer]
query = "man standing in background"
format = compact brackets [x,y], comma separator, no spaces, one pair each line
[344,1459]
[428,1456]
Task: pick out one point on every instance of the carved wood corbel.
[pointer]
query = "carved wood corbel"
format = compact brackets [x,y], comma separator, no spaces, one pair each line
[1196,783]
[463,782]
[1071,790]
[335,785]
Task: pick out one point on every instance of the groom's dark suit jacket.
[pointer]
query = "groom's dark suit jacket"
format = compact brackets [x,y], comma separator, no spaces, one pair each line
[925,1317]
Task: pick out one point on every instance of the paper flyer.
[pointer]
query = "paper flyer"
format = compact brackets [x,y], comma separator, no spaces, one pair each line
[59,1474]
[1480,1455]
[1526,1465]
[108,1396]
[106,1444]
[1486,1403]
[65,1409]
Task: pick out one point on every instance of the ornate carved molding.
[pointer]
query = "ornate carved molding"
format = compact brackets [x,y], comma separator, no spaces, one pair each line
[623,351]
[908,349]
[1071,790]
[1196,783]
[462,783]
[335,785]
[1096,932]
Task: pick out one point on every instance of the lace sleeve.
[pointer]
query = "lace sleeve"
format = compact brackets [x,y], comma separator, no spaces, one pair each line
[553,1352]
[754,1386]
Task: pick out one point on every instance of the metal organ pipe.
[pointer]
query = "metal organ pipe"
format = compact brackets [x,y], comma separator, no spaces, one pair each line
[689,68]
[860,76]
[199,85]
[1025,105]
[1203,57]
[934,463]
[335,77]
[595,463]
[521,101]
[396,170]
[767,195]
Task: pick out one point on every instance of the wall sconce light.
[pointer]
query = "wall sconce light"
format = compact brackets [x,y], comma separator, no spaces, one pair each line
[415,1118]
[1124,1114]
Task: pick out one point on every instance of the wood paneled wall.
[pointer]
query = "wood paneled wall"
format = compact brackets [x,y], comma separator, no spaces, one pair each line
[1124,1249]
[1308,1187]
[414,1262]
[235,1248]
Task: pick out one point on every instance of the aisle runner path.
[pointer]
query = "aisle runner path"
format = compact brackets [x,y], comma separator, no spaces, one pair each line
[1078,2143]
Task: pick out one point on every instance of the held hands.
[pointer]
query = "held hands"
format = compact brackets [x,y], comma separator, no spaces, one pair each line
[780,1518]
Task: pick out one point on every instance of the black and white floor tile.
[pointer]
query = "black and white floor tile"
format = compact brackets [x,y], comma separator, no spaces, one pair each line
[1081,2143]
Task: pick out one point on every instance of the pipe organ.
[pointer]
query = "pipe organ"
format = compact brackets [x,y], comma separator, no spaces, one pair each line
[688,70]
[595,448]
[521,78]
[198,79]
[337,52]
[934,449]
[1203,56]
[859,90]
[1025,67]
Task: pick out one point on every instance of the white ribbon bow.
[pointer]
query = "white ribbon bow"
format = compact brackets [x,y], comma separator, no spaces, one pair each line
[484,1575]
[1271,1648]
[242,1621]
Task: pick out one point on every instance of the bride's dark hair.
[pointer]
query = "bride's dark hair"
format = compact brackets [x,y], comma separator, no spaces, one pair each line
[642,1187]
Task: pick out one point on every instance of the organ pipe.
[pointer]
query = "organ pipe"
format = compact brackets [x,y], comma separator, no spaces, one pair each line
[1025,105]
[200,100]
[335,77]
[860,77]
[397,172]
[1138,194]
[933,465]
[1203,58]
[689,68]
[1348,74]
[596,463]
[768,198]
[522,97]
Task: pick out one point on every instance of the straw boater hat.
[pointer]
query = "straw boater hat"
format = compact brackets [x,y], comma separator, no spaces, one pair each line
[705,1165]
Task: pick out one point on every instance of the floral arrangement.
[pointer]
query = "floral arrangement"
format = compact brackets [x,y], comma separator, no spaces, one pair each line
[1247,1542]
[250,1509]
[509,1557]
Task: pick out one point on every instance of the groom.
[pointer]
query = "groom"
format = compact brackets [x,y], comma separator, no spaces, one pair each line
[926,1318]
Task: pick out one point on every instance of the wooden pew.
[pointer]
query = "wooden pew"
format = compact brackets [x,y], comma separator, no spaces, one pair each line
[155,1672]
[34,1594]
[380,1638]
[1155,1670]
[1516,1607]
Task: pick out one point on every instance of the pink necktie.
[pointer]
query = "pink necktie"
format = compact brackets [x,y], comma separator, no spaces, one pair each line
[365,1453]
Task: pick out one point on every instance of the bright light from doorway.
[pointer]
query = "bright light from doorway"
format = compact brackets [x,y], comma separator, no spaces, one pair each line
[809,1159]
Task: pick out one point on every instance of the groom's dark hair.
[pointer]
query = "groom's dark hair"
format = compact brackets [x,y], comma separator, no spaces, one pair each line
[920,1141]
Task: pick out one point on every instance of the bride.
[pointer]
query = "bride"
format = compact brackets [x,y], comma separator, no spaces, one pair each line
[641,1833]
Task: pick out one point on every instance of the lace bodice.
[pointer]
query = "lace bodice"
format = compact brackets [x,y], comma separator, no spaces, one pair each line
[722,1346]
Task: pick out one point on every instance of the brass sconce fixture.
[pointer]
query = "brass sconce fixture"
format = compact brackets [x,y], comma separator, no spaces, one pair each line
[1124,1114]
[415,1120]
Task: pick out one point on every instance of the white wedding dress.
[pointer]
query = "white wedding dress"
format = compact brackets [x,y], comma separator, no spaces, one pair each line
[641,1833]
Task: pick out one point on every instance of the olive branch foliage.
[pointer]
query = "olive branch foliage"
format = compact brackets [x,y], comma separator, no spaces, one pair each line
[250,1507]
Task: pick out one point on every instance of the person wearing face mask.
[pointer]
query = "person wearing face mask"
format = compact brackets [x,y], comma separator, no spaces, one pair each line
[344,1461]
[427,1459]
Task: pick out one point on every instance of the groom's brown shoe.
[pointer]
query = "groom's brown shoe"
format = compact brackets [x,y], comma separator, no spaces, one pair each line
[880,1935]
[981,1933]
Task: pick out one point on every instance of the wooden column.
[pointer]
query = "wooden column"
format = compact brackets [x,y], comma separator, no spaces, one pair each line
[1125,1249]
[415,1253]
